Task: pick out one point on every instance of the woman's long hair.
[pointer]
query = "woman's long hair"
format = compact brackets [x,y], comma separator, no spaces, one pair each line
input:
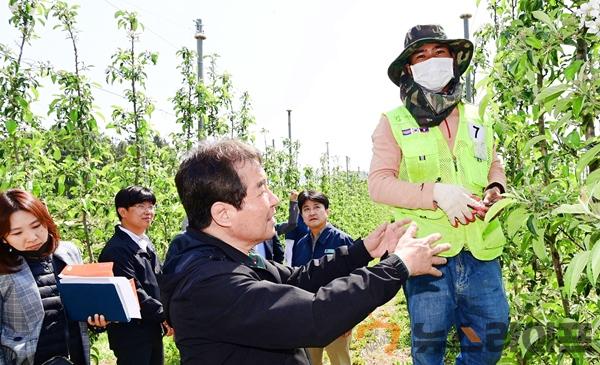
[12,201]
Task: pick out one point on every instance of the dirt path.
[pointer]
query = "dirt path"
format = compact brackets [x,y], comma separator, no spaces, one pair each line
[383,338]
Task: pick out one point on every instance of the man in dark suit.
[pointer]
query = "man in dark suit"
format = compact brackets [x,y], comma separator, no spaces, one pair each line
[140,340]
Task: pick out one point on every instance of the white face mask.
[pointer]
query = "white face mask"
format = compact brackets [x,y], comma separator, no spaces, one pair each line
[434,73]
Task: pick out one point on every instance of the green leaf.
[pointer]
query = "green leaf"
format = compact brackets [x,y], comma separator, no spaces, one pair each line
[574,271]
[56,153]
[482,83]
[572,69]
[586,159]
[529,337]
[533,42]
[27,116]
[483,105]
[52,105]
[568,336]
[61,184]
[530,143]
[595,345]
[532,224]
[573,140]
[539,246]
[569,209]
[11,126]
[593,177]
[515,221]
[73,116]
[577,355]
[540,15]
[577,105]
[550,92]
[595,263]
[595,192]
[497,207]
[22,102]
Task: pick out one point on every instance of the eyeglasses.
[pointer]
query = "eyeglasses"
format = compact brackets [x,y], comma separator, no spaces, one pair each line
[145,207]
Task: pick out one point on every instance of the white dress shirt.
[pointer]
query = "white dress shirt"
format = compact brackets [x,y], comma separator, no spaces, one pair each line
[141,241]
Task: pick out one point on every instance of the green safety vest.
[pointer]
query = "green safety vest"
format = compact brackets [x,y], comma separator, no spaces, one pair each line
[426,157]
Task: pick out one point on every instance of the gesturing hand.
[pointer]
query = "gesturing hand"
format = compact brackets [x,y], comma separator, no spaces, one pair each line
[385,238]
[418,255]
[393,233]
[373,240]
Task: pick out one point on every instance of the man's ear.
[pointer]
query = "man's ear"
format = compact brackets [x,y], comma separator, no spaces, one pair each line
[407,69]
[122,211]
[222,214]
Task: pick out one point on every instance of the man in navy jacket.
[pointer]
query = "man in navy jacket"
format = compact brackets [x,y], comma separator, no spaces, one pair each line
[134,257]
[229,306]
[322,239]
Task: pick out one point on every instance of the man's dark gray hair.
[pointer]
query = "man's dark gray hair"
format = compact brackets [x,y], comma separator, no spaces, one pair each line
[209,174]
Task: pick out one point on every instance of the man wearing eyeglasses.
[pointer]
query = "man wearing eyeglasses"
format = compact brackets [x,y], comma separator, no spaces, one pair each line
[140,340]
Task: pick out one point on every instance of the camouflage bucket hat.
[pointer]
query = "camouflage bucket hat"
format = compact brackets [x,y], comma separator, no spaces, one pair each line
[462,49]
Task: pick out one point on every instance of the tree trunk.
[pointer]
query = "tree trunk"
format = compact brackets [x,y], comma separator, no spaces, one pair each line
[549,238]
[88,240]
[136,125]
[589,129]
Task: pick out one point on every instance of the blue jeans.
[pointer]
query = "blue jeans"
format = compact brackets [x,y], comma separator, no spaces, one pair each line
[469,296]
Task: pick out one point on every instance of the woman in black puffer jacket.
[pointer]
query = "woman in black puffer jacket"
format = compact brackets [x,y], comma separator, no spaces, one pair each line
[33,325]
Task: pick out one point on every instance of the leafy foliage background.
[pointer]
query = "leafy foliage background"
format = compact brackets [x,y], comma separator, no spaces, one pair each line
[541,85]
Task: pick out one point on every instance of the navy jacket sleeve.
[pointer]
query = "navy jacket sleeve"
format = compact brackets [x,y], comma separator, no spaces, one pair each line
[292,221]
[342,293]
[346,240]
[278,250]
[125,265]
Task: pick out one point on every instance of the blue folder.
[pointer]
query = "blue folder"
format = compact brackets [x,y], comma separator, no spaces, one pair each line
[84,300]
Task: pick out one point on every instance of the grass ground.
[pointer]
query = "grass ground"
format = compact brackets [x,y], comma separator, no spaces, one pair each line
[105,355]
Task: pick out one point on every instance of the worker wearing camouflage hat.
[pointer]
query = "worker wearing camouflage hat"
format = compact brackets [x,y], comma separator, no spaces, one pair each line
[434,161]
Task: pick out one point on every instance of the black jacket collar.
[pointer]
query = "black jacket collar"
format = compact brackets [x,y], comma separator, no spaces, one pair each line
[233,253]
[123,238]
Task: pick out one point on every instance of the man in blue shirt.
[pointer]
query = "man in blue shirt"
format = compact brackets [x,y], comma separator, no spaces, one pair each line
[322,239]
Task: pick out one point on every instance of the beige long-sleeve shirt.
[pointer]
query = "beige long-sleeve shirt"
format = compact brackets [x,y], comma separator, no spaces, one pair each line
[384,185]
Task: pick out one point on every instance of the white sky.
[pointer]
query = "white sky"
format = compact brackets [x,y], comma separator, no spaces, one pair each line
[325,60]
